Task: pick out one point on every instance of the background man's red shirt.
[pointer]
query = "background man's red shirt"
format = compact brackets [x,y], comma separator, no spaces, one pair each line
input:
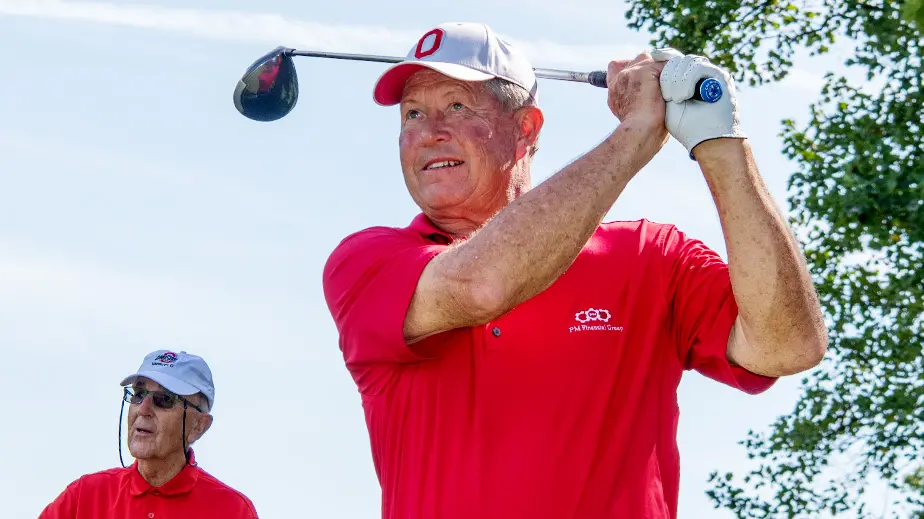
[122,493]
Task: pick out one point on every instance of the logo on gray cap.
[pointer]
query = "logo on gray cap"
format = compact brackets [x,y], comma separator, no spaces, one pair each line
[165,359]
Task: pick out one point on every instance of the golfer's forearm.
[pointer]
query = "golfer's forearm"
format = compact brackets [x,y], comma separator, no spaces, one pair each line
[533,240]
[778,308]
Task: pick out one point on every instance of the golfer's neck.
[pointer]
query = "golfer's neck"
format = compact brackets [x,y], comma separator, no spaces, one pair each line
[159,471]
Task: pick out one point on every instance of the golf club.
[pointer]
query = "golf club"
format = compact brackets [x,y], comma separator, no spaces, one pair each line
[269,89]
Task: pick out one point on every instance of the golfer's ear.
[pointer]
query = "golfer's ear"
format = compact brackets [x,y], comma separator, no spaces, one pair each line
[202,424]
[529,120]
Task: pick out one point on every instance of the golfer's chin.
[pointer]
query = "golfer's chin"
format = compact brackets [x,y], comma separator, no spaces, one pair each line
[142,448]
[444,200]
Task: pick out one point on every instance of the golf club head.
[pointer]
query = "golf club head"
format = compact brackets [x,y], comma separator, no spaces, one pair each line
[269,89]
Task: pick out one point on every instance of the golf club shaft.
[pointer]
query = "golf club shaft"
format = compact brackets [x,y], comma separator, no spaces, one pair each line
[341,55]
[564,75]
[596,78]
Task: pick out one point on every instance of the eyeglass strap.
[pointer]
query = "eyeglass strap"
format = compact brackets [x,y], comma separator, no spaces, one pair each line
[121,411]
[186,447]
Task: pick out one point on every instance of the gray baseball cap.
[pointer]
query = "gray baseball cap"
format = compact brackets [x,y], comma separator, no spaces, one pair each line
[182,373]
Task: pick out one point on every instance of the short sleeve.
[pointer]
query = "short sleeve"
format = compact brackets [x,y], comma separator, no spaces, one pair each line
[248,511]
[702,311]
[64,506]
[369,280]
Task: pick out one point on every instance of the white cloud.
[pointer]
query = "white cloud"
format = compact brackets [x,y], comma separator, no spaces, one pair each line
[226,25]
[277,29]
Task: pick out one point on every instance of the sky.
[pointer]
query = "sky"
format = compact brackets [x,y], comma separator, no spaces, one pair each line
[140,211]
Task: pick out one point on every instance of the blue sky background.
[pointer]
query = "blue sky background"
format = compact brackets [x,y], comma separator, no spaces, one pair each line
[139,210]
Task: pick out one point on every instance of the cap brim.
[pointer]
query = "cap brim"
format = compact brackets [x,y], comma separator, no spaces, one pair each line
[390,86]
[168,382]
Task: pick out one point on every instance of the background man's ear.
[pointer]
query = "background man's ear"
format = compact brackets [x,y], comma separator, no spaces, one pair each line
[200,424]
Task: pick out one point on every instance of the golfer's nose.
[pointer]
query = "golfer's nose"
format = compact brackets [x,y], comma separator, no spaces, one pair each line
[434,130]
[146,407]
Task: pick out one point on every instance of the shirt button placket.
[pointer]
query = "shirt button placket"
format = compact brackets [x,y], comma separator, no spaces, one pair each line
[151,514]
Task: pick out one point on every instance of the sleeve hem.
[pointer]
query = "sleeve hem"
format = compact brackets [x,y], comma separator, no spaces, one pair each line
[370,282]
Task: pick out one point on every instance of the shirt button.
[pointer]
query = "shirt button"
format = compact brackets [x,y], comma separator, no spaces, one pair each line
[496,331]
[151,515]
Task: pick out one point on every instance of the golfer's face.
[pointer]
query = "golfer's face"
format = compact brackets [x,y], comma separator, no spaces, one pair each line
[457,145]
[153,432]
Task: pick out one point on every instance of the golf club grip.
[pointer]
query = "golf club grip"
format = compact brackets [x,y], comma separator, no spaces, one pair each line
[707,89]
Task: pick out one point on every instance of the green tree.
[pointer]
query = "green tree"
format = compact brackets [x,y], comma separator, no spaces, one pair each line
[857,195]
[914,12]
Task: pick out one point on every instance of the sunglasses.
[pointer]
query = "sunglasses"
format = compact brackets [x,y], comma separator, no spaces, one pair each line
[162,399]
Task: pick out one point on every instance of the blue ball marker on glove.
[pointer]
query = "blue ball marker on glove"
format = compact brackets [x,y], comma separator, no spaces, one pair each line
[708,90]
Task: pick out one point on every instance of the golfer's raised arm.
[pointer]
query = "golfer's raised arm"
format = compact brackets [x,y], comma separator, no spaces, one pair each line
[780,329]
[529,243]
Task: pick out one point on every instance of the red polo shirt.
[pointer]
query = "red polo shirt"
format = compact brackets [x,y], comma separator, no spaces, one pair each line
[564,407]
[121,493]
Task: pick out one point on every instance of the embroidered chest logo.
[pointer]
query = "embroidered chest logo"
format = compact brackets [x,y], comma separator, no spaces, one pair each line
[594,319]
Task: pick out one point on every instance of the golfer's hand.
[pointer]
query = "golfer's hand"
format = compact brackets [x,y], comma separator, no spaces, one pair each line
[689,121]
[635,95]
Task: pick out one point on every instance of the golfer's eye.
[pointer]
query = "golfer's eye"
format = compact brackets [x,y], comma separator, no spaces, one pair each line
[456,107]
[164,400]
[136,396]
[412,114]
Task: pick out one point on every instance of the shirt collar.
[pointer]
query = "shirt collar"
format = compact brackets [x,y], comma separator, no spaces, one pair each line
[180,484]
[426,228]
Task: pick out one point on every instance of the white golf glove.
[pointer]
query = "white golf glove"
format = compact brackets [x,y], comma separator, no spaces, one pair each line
[690,121]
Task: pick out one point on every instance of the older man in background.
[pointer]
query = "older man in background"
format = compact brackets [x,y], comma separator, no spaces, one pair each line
[170,400]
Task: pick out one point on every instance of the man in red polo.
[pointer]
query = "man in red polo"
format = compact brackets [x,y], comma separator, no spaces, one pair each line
[516,356]
[171,397]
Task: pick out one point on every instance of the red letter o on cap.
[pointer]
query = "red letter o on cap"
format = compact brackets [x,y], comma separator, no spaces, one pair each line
[437,40]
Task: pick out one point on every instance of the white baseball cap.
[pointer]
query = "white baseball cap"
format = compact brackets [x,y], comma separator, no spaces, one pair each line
[461,50]
[182,373]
